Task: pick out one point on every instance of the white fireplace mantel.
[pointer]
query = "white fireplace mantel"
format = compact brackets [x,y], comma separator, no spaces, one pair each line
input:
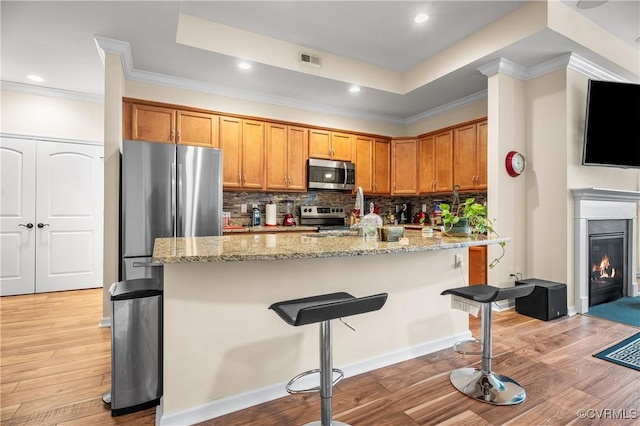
[599,204]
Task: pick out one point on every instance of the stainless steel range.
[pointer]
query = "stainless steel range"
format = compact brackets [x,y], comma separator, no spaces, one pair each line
[326,218]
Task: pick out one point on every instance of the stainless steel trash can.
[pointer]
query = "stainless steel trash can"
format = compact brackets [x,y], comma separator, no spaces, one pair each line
[136,345]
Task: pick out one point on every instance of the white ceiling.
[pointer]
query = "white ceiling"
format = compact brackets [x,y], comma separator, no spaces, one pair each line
[56,40]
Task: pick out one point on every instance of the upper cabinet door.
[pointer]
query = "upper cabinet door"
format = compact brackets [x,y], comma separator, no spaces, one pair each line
[319,144]
[464,157]
[364,163]
[443,154]
[297,158]
[381,166]
[231,145]
[404,166]
[153,123]
[341,146]
[276,161]
[196,128]
[252,154]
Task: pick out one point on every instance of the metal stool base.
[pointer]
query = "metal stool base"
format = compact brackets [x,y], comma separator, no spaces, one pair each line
[319,423]
[487,387]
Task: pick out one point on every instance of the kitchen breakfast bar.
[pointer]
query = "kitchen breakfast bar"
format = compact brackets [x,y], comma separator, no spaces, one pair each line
[224,350]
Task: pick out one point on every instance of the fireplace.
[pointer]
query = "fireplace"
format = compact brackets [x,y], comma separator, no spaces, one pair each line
[605,241]
[608,260]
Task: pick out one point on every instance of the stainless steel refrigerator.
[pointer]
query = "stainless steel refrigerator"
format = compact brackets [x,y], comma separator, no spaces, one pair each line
[166,191]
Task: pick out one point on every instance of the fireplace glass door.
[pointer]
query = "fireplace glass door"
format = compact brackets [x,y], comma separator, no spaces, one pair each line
[606,259]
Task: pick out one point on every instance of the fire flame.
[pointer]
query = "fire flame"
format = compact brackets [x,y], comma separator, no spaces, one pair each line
[604,268]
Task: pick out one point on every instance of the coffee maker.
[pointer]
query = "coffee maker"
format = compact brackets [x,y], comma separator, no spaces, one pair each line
[289,218]
[403,213]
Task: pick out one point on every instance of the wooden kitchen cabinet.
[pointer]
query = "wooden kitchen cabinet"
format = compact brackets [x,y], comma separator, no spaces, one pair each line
[477,265]
[197,129]
[470,156]
[404,170]
[242,144]
[154,123]
[372,159]
[286,157]
[381,166]
[330,145]
[435,159]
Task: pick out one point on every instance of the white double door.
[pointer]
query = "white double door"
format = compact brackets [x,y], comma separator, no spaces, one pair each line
[51,216]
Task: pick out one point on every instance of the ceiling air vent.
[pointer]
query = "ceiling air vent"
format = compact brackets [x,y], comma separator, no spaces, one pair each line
[308,58]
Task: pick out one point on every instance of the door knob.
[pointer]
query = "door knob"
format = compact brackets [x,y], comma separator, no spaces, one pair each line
[42,225]
[28,225]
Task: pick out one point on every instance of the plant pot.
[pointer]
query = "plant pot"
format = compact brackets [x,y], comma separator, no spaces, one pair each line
[460,229]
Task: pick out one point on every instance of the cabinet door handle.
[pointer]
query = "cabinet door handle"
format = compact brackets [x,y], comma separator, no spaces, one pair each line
[42,225]
[28,225]
[178,136]
[239,181]
[172,135]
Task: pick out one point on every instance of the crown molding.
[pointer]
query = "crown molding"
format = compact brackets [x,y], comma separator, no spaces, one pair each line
[12,86]
[569,60]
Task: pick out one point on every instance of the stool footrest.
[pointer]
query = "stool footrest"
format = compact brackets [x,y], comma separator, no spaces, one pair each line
[315,388]
[464,347]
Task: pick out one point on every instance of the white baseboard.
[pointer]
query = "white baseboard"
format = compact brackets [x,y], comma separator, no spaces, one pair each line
[233,403]
[105,322]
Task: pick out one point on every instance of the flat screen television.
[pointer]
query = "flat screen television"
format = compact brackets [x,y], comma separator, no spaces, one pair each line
[612,125]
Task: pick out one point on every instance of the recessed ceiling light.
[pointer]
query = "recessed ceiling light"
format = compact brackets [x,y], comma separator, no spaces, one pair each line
[354,89]
[590,4]
[420,18]
[244,65]
[35,78]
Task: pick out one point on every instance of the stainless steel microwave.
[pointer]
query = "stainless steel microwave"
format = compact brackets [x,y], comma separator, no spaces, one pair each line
[329,174]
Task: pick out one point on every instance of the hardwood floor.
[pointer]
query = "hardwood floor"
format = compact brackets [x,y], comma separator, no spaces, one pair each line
[55,366]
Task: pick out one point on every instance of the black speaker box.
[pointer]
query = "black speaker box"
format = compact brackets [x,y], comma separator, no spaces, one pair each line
[547,301]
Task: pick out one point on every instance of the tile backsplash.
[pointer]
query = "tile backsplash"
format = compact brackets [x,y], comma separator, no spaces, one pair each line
[233,201]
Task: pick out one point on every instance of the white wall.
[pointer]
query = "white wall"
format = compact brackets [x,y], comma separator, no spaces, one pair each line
[446,119]
[506,196]
[51,117]
[114,82]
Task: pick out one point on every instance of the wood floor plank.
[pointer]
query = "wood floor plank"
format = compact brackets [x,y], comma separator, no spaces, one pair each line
[55,365]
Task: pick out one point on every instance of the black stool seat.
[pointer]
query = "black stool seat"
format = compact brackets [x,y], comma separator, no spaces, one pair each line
[483,384]
[322,309]
[488,294]
[309,310]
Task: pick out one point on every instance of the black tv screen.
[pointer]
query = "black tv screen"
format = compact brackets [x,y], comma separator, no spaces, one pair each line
[612,125]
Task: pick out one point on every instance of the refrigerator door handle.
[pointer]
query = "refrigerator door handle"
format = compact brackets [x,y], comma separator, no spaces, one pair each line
[173,199]
[180,225]
[145,264]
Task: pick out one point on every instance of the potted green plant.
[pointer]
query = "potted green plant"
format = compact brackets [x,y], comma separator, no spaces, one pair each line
[467,219]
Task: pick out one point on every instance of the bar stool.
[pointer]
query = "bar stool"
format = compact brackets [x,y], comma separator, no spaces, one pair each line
[484,385]
[322,309]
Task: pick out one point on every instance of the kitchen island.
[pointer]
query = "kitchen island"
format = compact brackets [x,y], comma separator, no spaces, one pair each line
[225,350]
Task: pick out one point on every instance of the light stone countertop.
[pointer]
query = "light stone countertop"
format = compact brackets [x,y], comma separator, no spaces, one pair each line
[267,229]
[299,245]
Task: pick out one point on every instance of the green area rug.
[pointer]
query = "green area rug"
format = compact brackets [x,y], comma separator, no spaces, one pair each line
[625,353]
[625,310]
